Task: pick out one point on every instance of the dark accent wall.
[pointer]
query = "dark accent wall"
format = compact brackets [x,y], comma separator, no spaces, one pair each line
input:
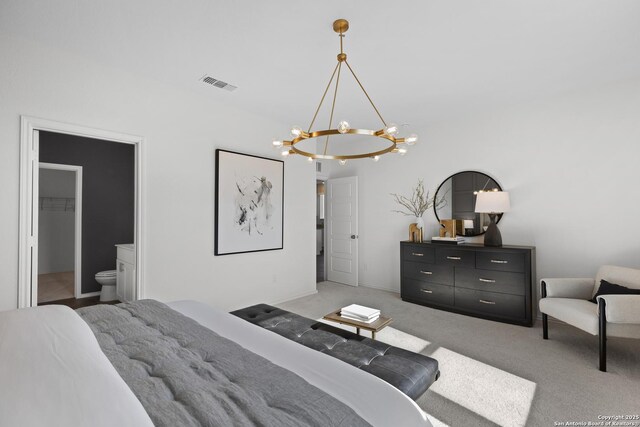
[108,196]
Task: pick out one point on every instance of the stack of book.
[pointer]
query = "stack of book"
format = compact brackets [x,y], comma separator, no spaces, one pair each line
[360,313]
[451,240]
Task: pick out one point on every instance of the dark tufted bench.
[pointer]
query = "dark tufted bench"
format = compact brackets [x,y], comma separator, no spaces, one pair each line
[409,372]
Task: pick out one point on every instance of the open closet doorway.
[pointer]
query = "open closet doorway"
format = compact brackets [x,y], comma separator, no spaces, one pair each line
[59,232]
[104,208]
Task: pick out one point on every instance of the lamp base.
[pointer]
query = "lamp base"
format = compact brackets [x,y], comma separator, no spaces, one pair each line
[492,236]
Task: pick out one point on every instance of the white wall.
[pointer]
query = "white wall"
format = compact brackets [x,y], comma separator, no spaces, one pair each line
[56,228]
[182,131]
[571,164]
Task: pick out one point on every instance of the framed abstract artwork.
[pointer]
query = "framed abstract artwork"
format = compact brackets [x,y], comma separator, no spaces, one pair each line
[249,211]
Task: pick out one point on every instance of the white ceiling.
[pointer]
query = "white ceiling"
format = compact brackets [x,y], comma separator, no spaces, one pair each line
[421,61]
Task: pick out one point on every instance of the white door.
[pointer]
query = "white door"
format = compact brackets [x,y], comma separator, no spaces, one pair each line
[342,230]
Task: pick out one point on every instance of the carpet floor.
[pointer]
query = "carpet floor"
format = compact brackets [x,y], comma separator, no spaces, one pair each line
[499,374]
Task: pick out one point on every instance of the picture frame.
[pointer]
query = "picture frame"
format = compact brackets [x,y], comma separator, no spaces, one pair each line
[249,203]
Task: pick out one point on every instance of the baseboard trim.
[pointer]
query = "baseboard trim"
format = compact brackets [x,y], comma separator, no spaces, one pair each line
[291,298]
[393,291]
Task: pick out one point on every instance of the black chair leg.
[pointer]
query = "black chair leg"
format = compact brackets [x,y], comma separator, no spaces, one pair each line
[603,335]
[545,318]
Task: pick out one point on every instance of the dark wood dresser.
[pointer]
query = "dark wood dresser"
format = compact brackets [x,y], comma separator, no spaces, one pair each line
[488,282]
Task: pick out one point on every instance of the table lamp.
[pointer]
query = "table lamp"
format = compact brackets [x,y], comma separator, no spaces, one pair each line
[493,203]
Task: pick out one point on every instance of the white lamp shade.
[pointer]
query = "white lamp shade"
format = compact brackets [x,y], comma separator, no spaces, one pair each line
[492,202]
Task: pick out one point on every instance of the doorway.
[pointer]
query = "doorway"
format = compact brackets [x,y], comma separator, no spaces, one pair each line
[32,132]
[60,232]
[342,230]
[320,250]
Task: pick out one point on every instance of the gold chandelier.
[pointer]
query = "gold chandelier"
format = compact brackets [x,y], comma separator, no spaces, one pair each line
[388,132]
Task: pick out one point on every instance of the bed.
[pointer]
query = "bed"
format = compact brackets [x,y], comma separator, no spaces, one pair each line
[54,371]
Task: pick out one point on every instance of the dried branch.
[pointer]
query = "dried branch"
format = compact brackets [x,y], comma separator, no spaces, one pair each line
[419,202]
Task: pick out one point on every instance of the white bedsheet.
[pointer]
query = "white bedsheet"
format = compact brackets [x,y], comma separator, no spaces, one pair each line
[376,401]
[53,373]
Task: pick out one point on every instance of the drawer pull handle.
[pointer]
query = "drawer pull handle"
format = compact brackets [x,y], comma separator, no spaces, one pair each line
[426,291]
[416,254]
[426,272]
[455,258]
[487,302]
[486,280]
[499,261]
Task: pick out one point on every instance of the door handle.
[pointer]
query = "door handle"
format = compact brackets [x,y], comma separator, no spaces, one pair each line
[354,236]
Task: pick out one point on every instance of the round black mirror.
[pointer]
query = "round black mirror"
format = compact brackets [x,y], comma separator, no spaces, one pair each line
[459,194]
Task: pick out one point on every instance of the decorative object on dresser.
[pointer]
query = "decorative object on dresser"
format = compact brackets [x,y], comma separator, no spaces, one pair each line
[416,206]
[615,315]
[449,227]
[460,191]
[249,203]
[492,203]
[491,283]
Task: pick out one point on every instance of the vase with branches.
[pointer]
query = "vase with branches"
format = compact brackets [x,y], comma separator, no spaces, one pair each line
[418,203]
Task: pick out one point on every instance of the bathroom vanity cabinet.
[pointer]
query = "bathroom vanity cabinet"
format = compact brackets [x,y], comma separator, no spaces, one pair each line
[126,272]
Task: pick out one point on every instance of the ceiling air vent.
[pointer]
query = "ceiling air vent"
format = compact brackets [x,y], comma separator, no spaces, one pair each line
[218,83]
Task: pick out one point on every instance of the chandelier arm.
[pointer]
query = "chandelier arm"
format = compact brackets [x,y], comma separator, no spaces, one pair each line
[333,106]
[365,92]
[322,99]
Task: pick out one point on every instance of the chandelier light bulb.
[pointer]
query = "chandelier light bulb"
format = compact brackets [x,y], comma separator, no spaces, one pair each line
[277,143]
[411,139]
[309,159]
[296,131]
[343,127]
[392,129]
[375,158]
[402,151]
[342,162]
[285,153]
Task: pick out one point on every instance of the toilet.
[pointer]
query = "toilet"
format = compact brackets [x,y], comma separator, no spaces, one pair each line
[108,281]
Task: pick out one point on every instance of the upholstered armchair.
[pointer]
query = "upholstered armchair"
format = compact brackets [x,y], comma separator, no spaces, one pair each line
[617,315]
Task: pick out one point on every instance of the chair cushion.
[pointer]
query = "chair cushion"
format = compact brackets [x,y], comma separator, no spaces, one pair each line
[607,288]
[628,277]
[576,312]
[409,372]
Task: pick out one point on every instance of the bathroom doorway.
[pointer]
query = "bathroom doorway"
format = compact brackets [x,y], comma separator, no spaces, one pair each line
[59,233]
[111,193]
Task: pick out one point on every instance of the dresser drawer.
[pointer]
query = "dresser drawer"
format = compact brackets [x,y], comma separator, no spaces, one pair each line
[491,281]
[455,257]
[491,303]
[429,293]
[441,274]
[418,253]
[500,261]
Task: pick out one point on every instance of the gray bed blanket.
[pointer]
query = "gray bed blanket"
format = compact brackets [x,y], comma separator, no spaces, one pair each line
[187,375]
